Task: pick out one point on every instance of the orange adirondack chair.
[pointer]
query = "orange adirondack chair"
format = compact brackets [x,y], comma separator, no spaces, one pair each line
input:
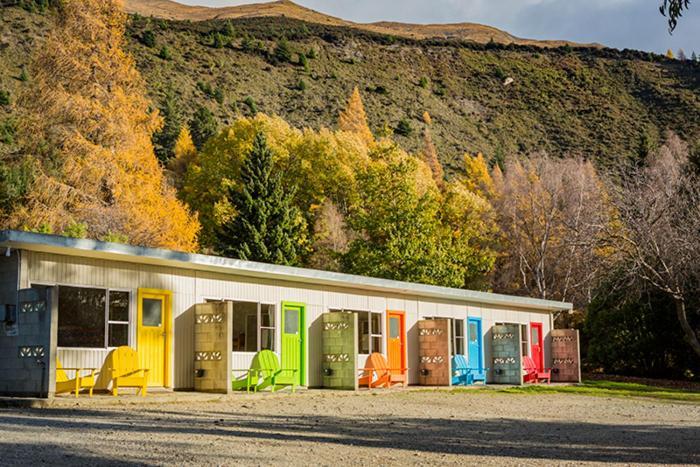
[378,374]
[532,374]
[76,384]
[125,372]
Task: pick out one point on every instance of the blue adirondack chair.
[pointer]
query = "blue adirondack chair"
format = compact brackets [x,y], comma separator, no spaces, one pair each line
[463,375]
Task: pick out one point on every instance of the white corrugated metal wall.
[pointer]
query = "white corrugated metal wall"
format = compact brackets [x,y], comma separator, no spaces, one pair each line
[190,287]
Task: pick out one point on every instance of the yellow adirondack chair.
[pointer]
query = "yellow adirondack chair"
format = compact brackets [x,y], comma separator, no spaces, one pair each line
[125,371]
[76,384]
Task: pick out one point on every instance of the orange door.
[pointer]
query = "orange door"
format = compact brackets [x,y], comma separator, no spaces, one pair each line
[396,343]
[536,345]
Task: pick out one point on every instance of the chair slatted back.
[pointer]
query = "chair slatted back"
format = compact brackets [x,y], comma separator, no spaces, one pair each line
[61,375]
[459,363]
[125,360]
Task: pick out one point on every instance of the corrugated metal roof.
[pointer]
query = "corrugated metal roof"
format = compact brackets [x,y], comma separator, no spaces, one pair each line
[134,254]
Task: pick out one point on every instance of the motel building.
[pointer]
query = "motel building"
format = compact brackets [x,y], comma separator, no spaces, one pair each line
[76,300]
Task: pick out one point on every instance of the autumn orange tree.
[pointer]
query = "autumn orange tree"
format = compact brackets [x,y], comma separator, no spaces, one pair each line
[430,155]
[87,126]
[354,119]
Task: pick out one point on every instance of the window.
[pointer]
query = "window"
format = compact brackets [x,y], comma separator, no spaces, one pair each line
[524,341]
[253,326]
[458,337]
[92,318]
[369,331]
[456,334]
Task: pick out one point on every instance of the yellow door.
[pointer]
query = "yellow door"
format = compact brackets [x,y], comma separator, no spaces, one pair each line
[153,339]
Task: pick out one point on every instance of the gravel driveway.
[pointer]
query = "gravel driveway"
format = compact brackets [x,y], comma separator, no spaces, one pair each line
[332,428]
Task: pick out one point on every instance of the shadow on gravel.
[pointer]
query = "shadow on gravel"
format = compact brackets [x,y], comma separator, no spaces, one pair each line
[510,438]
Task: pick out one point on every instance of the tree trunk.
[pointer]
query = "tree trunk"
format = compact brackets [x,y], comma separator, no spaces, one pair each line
[690,336]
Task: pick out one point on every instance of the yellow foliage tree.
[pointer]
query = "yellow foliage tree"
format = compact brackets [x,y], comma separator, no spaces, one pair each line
[354,119]
[184,154]
[88,126]
[669,54]
[477,178]
[430,155]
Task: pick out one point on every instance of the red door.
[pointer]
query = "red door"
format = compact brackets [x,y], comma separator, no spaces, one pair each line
[396,343]
[537,351]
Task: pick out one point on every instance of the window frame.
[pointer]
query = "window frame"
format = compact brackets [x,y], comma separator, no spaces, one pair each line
[259,327]
[455,337]
[107,290]
[371,334]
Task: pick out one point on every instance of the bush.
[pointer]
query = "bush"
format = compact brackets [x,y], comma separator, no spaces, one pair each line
[301,85]
[312,53]
[403,128]
[148,38]
[424,82]
[250,102]
[7,131]
[217,41]
[4,97]
[304,62]
[282,52]
[165,53]
[228,29]
[23,75]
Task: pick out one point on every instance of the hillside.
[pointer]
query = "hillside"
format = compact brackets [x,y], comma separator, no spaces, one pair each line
[594,102]
[167,9]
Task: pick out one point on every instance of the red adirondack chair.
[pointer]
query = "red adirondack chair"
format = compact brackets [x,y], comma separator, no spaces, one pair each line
[377,373]
[532,374]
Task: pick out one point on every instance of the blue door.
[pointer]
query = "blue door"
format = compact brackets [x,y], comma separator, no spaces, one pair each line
[475,349]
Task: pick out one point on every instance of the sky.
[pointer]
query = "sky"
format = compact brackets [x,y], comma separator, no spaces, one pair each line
[634,24]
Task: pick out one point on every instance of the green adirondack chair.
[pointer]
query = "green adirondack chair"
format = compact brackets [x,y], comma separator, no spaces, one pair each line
[265,372]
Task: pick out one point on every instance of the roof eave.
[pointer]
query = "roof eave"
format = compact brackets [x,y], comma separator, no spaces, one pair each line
[120,252]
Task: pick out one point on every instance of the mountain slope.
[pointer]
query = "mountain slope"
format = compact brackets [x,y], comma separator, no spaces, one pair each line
[168,9]
[597,103]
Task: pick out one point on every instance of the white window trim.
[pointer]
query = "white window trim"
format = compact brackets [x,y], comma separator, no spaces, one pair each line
[259,327]
[371,333]
[130,323]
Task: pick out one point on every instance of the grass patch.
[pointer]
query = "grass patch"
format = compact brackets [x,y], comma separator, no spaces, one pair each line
[609,389]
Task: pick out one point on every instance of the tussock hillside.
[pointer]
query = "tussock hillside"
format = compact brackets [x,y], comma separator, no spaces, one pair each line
[595,102]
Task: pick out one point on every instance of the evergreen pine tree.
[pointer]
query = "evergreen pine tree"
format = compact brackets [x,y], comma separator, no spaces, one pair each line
[354,119]
[282,51]
[173,120]
[267,226]
[202,126]
[694,56]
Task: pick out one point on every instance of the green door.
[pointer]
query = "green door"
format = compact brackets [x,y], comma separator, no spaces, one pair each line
[293,332]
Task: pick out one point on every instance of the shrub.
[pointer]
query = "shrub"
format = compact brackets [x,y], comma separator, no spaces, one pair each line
[23,75]
[404,128]
[7,131]
[424,82]
[304,62]
[165,53]
[217,41]
[282,52]
[301,85]
[250,102]
[148,38]
[311,53]
[4,97]
[228,29]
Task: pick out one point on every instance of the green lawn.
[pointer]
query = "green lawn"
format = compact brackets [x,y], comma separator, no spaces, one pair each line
[608,389]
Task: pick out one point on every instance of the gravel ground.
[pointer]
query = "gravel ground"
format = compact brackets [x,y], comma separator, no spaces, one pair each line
[331,428]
